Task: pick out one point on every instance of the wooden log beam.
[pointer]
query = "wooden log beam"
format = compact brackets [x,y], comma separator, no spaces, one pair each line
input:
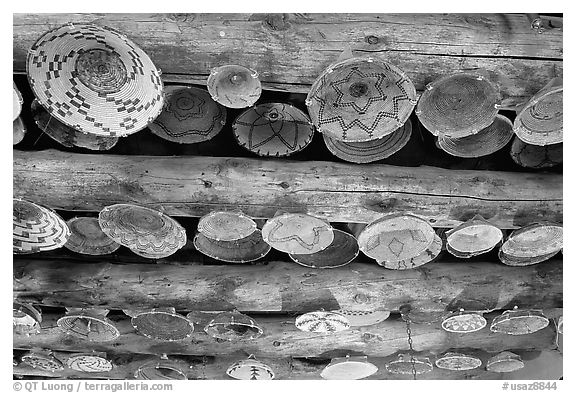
[194,186]
[281,286]
[282,339]
[291,50]
[214,367]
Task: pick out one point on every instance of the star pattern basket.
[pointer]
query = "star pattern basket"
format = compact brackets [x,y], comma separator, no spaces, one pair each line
[370,151]
[322,322]
[361,99]
[226,225]
[249,249]
[145,231]
[18,131]
[343,250]
[428,255]
[36,228]
[458,362]
[349,368]
[234,86]
[189,116]
[250,369]
[89,325]
[458,105]
[474,237]
[162,324]
[89,363]
[534,156]
[532,244]
[273,130]
[17,102]
[297,233]
[95,80]
[87,237]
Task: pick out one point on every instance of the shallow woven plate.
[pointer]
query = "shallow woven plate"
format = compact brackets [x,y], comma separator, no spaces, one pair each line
[26,319]
[349,368]
[429,255]
[297,233]
[234,86]
[87,237]
[18,131]
[189,116]
[17,101]
[487,141]
[88,325]
[148,232]
[273,129]
[511,260]
[36,228]
[458,105]
[66,135]
[360,99]
[162,324]
[250,369]
[396,237]
[540,121]
[322,322]
[364,318]
[370,151]
[404,365]
[473,237]
[89,363]
[249,249]
[226,225]
[518,322]
[463,322]
[458,362]
[161,369]
[533,241]
[94,79]
[504,362]
[42,360]
[533,156]
[233,326]
[343,250]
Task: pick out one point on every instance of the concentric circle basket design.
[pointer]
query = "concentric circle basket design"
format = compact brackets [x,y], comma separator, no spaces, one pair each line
[343,250]
[540,121]
[17,102]
[487,141]
[364,318]
[88,325]
[18,131]
[245,250]
[87,237]
[89,363]
[162,324]
[404,365]
[148,232]
[532,244]
[189,116]
[26,319]
[458,362]
[533,156]
[463,322]
[322,322]
[226,225]
[273,129]
[233,326]
[250,369]
[297,233]
[396,237]
[360,99]
[42,360]
[94,79]
[161,369]
[505,362]
[349,368]
[429,255]
[517,322]
[234,86]
[370,151]
[66,135]
[474,237]
[36,228]
[458,105]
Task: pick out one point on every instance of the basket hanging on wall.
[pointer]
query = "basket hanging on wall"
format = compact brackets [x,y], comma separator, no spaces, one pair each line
[234,86]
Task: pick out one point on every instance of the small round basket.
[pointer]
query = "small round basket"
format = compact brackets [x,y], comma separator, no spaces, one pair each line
[504,362]
[162,324]
[87,237]
[349,368]
[89,363]
[517,322]
[322,322]
[404,365]
[233,326]
[226,225]
[250,369]
[458,362]
[234,86]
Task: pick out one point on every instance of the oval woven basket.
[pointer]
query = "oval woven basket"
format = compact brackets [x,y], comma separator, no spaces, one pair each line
[343,250]
[248,249]
[234,86]
[534,156]
[532,244]
[226,225]
[87,237]
[297,233]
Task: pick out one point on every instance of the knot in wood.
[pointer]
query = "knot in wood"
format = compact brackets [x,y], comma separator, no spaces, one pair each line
[371,39]
[361,298]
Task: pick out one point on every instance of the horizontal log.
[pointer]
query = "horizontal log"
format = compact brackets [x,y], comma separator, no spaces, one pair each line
[281,338]
[291,50]
[546,364]
[194,186]
[288,287]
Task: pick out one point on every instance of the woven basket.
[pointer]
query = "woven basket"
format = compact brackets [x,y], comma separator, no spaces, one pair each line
[17,102]
[42,359]
[361,99]
[26,319]
[250,369]
[517,322]
[487,141]
[504,362]
[540,121]
[248,249]
[532,244]
[145,231]
[189,116]
[95,80]
[458,105]
[364,318]
[427,256]
[87,237]
[370,151]
[89,325]
[89,363]
[162,324]
[474,237]
[534,156]
[343,250]
[226,225]
[407,365]
[234,86]
[162,369]
[349,368]
[19,131]
[458,362]
[322,322]
[67,136]
[233,326]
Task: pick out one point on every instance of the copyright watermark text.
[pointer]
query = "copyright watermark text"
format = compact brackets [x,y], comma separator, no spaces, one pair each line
[89,386]
[529,386]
